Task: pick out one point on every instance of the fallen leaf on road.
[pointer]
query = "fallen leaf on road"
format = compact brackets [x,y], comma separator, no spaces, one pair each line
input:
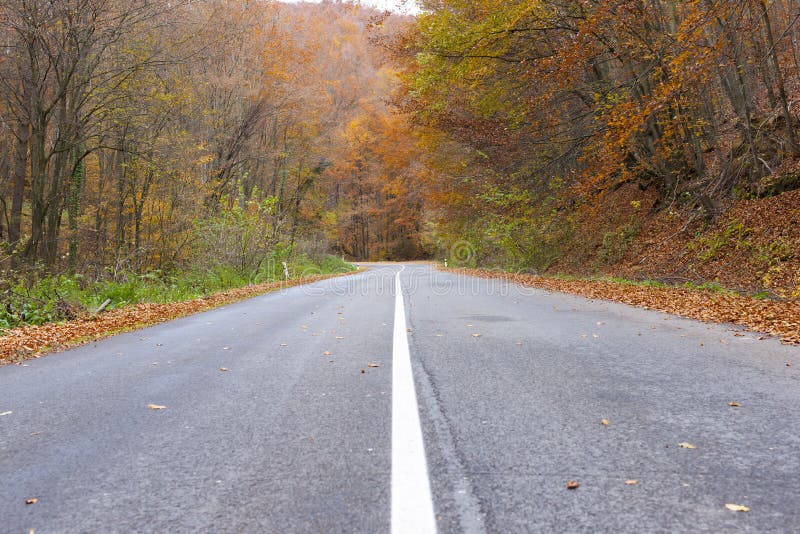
[326,353]
[572,485]
[156,407]
[604,422]
[476,335]
[226,348]
[409,330]
[363,371]
[737,508]
[595,335]
[6,413]
[373,365]
[631,482]
[31,501]
[734,404]
[600,323]
[223,369]
[283,345]
[339,337]
[685,445]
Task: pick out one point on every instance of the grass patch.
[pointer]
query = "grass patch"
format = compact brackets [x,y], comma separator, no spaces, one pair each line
[37,298]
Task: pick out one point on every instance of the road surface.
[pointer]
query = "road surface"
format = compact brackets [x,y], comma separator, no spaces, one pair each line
[328,419]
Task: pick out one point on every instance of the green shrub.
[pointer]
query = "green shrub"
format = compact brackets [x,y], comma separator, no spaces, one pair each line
[36,298]
[615,244]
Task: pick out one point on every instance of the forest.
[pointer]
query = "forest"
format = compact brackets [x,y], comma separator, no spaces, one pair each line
[163,150]
[646,139]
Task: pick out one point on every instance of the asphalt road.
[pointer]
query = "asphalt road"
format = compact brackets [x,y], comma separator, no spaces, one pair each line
[511,385]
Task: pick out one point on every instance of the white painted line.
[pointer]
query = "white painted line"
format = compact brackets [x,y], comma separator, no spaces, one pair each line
[412,504]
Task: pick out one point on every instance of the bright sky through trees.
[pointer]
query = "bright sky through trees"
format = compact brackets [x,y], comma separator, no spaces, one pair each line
[407,7]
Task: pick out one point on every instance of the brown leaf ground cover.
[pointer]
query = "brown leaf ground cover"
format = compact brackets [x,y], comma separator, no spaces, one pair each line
[32,341]
[752,245]
[781,318]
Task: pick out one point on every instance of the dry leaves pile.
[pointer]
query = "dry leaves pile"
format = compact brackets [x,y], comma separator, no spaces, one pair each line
[30,341]
[781,318]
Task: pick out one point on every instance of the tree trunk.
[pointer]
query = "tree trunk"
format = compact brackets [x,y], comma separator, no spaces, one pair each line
[74,206]
[38,182]
[784,102]
[18,193]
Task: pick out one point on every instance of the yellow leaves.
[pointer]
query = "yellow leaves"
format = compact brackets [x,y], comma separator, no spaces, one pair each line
[737,508]
[734,404]
[205,159]
[605,422]
[685,445]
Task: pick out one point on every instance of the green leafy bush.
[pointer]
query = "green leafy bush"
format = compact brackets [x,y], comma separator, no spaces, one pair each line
[36,298]
[615,244]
